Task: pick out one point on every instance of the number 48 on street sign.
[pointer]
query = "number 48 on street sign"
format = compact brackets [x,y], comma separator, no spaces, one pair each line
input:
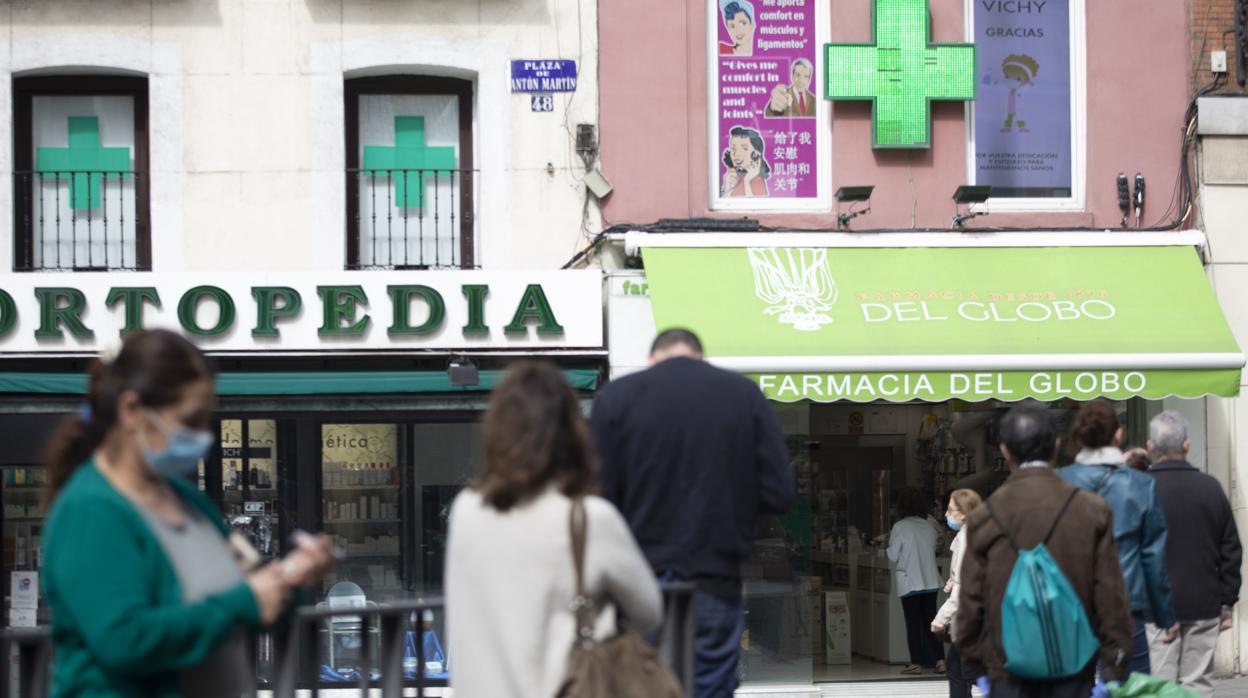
[542,102]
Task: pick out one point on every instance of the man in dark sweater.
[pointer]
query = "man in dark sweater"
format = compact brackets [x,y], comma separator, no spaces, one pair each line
[1202,557]
[691,455]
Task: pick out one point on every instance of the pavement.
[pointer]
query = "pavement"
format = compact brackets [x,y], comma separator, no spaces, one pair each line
[1231,688]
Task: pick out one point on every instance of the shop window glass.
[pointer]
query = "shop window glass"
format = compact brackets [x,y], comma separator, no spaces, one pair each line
[821,604]
[249,479]
[1023,136]
[448,458]
[387,494]
[361,509]
[24,512]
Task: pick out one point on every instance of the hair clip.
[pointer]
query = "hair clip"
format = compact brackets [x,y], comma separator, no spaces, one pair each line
[109,352]
[84,413]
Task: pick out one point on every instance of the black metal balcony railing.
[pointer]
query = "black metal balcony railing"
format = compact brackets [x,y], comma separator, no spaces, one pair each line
[410,218]
[296,662]
[81,220]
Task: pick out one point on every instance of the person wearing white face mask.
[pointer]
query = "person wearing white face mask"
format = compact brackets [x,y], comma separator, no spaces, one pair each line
[147,597]
[961,676]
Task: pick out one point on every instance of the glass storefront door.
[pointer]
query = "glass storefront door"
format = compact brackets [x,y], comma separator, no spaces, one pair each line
[247,477]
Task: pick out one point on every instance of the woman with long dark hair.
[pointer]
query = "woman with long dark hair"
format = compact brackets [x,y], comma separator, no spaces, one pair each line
[147,597]
[510,582]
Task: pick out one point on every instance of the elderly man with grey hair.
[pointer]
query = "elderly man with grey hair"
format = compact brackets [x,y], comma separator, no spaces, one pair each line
[1202,557]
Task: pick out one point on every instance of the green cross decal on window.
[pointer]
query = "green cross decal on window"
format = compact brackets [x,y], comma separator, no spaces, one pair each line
[901,72]
[409,153]
[84,161]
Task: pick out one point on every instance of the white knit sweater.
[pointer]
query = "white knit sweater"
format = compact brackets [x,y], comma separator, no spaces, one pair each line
[509,588]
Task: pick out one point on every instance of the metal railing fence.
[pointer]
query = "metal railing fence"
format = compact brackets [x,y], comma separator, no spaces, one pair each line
[297,664]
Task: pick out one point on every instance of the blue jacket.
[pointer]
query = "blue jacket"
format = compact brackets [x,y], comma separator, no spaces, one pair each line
[1139,527]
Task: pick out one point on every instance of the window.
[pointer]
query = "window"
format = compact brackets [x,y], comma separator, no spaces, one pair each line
[80,184]
[1027,125]
[768,123]
[409,173]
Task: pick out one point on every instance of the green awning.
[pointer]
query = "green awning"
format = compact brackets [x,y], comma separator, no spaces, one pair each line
[298,382]
[971,323]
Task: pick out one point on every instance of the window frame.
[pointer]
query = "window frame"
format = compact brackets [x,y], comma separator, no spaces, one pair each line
[462,89]
[1077,201]
[25,89]
[822,201]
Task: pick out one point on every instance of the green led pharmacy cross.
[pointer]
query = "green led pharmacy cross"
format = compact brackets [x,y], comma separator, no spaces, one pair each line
[84,161]
[409,153]
[901,73]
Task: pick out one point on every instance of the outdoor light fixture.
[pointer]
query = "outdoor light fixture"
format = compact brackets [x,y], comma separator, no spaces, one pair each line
[463,372]
[854,195]
[969,195]
[1124,199]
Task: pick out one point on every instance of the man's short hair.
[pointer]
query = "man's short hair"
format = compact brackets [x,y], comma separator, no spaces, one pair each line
[804,63]
[1168,432]
[1029,433]
[676,336]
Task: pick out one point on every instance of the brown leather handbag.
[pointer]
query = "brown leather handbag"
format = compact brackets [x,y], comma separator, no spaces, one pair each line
[623,666]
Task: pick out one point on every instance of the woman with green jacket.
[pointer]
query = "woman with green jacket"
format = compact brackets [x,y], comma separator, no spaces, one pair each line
[147,596]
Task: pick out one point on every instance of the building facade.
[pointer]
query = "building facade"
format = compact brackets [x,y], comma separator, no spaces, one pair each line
[359,209]
[1222,125]
[802,186]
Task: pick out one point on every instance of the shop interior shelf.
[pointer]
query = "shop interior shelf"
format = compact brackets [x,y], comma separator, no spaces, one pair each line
[354,488]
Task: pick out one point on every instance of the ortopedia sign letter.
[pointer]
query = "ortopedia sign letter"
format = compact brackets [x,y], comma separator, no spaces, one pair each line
[309,312]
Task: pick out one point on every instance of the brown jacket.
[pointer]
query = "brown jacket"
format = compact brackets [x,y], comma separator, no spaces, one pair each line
[1083,547]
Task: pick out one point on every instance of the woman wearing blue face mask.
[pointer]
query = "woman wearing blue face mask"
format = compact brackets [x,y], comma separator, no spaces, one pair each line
[147,597]
[961,676]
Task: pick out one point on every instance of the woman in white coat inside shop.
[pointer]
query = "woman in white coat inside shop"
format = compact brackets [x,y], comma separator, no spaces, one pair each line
[961,677]
[912,546]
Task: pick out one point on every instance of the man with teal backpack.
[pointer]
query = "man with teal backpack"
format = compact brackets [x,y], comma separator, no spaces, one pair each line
[1042,591]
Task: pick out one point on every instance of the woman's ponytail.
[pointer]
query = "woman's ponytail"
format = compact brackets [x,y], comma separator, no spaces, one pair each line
[79,434]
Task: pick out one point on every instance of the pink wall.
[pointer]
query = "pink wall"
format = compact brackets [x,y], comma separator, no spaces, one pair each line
[654,101]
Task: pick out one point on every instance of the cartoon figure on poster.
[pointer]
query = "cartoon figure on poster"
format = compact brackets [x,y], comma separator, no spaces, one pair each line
[738,16]
[794,100]
[745,164]
[1020,70]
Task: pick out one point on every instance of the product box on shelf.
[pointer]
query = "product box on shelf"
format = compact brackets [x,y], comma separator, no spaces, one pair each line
[810,594]
[836,623]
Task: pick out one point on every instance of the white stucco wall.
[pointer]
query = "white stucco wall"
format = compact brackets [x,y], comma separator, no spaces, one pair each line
[246,115]
[1223,196]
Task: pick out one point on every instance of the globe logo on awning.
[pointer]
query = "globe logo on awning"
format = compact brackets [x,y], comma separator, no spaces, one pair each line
[795,283]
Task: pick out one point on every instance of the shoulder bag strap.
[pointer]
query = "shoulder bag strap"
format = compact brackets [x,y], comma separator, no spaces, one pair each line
[581,605]
[1006,531]
[1060,512]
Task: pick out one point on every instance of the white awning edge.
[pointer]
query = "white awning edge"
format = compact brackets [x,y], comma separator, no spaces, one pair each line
[979,362]
[636,240]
